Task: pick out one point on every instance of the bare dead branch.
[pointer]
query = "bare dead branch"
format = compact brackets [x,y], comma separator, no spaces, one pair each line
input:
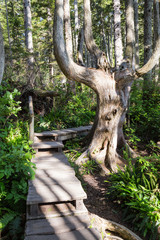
[151,62]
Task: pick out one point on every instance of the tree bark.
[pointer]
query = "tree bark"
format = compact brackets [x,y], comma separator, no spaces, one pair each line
[151,62]
[156,34]
[68,38]
[117,34]
[8,30]
[136,34]
[80,47]
[148,4]
[129,63]
[76,29]
[130,33]
[29,40]
[2,55]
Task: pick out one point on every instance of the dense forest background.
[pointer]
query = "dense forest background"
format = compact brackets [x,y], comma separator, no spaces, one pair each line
[31,70]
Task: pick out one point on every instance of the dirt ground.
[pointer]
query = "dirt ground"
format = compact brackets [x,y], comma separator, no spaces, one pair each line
[98,204]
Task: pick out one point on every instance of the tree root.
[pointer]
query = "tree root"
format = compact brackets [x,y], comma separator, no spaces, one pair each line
[106,169]
[103,225]
[131,152]
[82,158]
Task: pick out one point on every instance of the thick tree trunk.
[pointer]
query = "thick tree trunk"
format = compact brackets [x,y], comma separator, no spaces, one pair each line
[111,109]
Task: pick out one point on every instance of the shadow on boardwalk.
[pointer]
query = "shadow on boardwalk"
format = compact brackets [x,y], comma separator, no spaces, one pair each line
[55,203]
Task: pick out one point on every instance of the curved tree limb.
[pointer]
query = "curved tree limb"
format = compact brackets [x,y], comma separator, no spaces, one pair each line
[151,62]
[89,40]
[71,70]
[114,227]
[67,25]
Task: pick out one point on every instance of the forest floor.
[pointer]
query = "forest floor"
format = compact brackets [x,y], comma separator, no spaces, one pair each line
[98,204]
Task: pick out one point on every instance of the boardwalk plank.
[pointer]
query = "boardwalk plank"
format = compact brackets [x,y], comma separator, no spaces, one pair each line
[53,174]
[56,157]
[55,193]
[56,225]
[63,132]
[47,145]
[84,234]
[39,182]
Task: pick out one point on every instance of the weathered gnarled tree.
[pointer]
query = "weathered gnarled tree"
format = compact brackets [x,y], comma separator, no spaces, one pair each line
[111,86]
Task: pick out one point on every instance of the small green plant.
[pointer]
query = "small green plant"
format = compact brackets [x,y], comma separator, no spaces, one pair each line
[15,165]
[137,190]
[89,167]
[132,138]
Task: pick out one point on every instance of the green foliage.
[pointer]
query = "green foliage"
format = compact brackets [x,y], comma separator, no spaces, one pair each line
[73,152]
[89,167]
[145,112]
[70,111]
[137,190]
[132,138]
[15,165]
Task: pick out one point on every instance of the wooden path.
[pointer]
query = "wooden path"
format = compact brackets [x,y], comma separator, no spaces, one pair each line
[55,208]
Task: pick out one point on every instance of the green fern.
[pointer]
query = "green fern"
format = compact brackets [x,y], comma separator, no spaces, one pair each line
[6,219]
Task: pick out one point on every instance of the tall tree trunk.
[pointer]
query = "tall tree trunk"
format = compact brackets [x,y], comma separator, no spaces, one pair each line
[8,30]
[29,40]
[76,29]
[80,47]
[130,33]
[105,43]
[136,24]
[111,42]
[148,5]
[128,63]
[49,37]
[2,55]
[117,34]
[156,34]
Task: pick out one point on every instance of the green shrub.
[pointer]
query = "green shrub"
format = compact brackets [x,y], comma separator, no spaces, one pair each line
[137,190]
[69,111]
[145,112]
[15,165]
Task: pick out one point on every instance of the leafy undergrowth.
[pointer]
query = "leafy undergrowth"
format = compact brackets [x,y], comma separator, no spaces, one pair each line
[15,167]
[136,190]
[69,111]
[144,111]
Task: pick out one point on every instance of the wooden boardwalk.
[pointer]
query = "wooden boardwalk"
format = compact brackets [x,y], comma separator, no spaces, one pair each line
[55,208]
